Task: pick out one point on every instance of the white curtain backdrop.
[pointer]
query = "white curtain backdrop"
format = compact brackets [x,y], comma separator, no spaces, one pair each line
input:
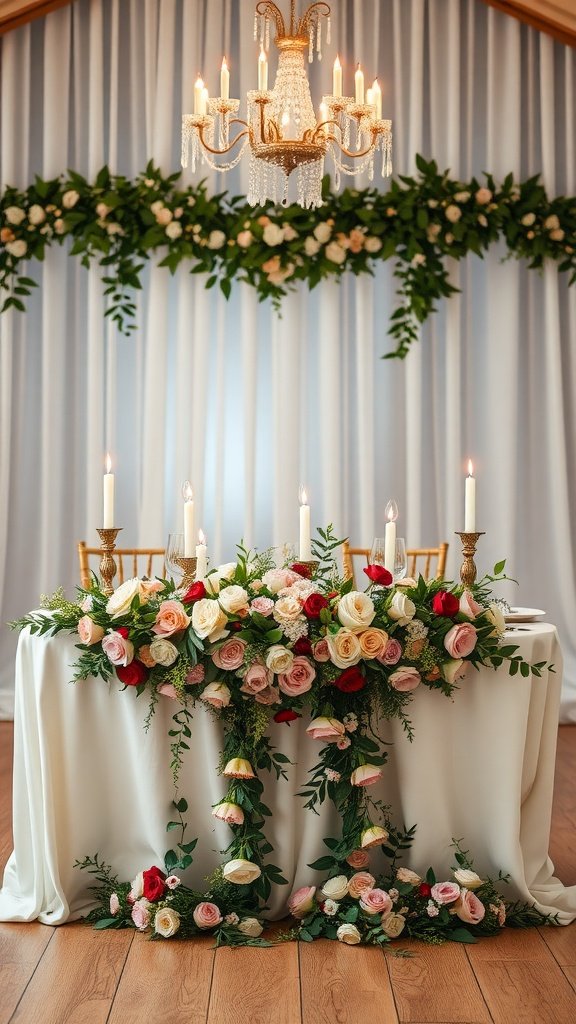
[246,403]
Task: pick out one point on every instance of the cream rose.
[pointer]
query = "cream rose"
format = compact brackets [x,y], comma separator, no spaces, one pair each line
[238,768]
[17,248]
[356,611]
[273,234]
[360,883]
[373,836]
[322,232]
[241,872]
[495,615]
[70,198]
[344,648]
[166,922]
[328,729]
[231,813]
[277,579]
[14,215]
[287,609]
[365,775]
[89,631]
[335,253]
[335,888]
[483,196]
[279,659]
[216,239]
[120,602]
[393,925]
[372,244]
[216,694]
[311,246]
[233,599]
[173,230]
[408,876]
[453,213]
[454,669]
[349,934]
[136,887]
[401,609]
[373,642]
[36,214]
[163,651]
[376,901]
[250,926]
[468,879]
[207,617]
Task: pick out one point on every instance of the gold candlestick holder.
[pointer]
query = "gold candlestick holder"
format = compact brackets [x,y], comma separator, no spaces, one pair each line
[107,564]
[468,567]
[188,566]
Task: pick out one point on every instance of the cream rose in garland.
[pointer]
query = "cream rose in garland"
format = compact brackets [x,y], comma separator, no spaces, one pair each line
[356,611]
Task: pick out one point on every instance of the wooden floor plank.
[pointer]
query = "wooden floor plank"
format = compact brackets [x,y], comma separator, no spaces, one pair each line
[177,977]
[256,986]
[343,985]
[21,947]
[562,944]
[510,944]
[570,974]
[436,984]
[526,993]
[76,979]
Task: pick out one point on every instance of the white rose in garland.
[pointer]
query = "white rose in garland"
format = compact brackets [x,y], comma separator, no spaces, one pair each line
[241,872]
[335,888]
[207,617]
[233,599]
[166,922]
[14,215]
[468,879]
[344,648]
[121,600]
[273,234]
[279,659]
[402,609]
[36,214]
[349,934]
[163,652]
[356,611]
[250,926]
[17,248]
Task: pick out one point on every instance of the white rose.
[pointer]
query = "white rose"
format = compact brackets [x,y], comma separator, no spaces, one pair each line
[226,570]
[70,198]
[273,234]
[212,583]
[528,219]
[468,879]
[250,926]
[402,608]
[216,694]
[163,651]
[216,239]
[120,601]
[356,611]
[241,872]
[14,215]
[462,197]
[174,229]
[335,888]
[372,244]
[17,248]
[349,934]
[155,207]
[344,648]
[311,246]
[552,223]
[164,216]
[453,213]
[279,659]
[393,925]
[322,232]
[287,609]
[137,887]
[36,214]
[495,615]
[207,617]
[232,599]
[335,253]
[454,669]
[166,922]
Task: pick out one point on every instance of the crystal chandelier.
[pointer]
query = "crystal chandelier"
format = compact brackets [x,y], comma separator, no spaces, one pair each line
[281,129]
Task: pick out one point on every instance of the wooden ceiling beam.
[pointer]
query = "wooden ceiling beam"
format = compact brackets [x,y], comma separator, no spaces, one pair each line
[555,17]
[14,13]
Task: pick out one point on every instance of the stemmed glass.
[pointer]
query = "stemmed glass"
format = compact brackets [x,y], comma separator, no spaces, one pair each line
[174,551]
[377,551]
[400,560]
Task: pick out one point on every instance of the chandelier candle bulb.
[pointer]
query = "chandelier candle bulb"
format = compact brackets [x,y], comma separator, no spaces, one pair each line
[369,97]
[305,554]
[262,71]
[224,81]
[376,98]
[108,518]
[188,495]
[470,500]
[359,84]
[337,78]
[324,116]
[390,536]
[205,98]
[201,557]
[199,96]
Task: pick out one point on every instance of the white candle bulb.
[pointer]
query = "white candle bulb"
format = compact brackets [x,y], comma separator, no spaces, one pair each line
[188,495]
[369,97]
[205,98]
[390,536]
[224,81]
[324,116]
[198,96]
[359,84]
[470,501]
[108,517]
[377,98]
[305,554]
[337,78]
[201,557]
[262,71]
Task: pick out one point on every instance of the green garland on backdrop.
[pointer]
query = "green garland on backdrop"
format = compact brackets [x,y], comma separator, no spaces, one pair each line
[419,222]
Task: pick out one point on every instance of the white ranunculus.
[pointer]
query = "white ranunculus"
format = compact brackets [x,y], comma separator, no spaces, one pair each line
[241,872]
[174,229]
[495,615]
[120,601]
[402,609]
[349,934]
[14,215]
[250,926]
[322,232]
[207,617]
[311,246]
[356,611]
[163,651]
[468,879]
[166,922]
[279,659]
[216,239]
[335,888]
[70,198]
[335,253]
[273,234]
[17,248]
[233,598]
[36,214]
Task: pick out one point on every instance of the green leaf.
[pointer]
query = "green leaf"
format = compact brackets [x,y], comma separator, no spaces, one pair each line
[105,922]
[499,567]
[462,935]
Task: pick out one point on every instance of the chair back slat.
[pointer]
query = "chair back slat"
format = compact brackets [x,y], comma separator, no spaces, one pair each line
[150,560]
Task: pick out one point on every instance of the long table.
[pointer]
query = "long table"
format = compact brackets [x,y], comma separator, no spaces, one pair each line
[88,778]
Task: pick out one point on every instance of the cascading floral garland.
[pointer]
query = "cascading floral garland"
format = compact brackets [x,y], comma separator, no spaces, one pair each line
[419,222]
[252,642]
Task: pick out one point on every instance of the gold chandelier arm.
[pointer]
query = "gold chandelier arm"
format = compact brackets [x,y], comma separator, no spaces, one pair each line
[323,11]
[354,155]
[222,152]
[267,8]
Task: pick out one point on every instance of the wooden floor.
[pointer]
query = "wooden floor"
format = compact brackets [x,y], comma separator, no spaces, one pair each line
[74,975]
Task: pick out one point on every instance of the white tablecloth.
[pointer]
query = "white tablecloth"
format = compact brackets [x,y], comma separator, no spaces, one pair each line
[88,779]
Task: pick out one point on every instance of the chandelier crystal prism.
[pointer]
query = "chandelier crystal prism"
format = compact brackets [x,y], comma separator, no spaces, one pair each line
[282,132]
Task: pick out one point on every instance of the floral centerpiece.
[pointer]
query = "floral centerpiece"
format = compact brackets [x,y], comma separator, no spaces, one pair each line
[254,642]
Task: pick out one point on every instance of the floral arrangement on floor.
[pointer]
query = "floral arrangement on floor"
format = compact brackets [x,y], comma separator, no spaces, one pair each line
[419,222]
[254,642]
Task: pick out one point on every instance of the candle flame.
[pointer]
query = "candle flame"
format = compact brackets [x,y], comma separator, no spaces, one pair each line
[201,537]
[376,86]
[302,495]
[262,56]
[108,462]
[199,83]
[224,64]
[337,64]
[470,468]
[187,492]
[391,511]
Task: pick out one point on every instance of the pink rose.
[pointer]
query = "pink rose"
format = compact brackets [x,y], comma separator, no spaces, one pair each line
[469,908]
[145,657]
[141,914]
[117,648]
[405,679]
[89,631]
[262,605]
[269,695]
[445,892]
[172,882]
[376,901]
[114,904]
[468,606]
[168,690]
[195,675]
[171,618]
[216,694]
[392,653]
[343,742]
[299,677]
[231,655]
[231,813]
[301,902]
[238,768]
[149,587]
[320,650]
[365,775]
[358,859]
[256,678]
[328,729]
[361,882]
[460,641]
[277,579]
[207,915]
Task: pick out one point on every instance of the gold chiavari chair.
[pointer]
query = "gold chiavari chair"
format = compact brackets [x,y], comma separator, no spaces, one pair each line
[420,560]
[129,562]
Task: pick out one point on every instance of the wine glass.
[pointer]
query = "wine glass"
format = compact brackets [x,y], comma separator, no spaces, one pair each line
[377,551]
[400,560]
[174,551]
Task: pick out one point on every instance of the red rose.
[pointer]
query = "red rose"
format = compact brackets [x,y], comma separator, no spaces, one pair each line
[194,593]
[286,716]
[123,630]
[154,887]
[350,680]
[424,889]
[133,674]
[378,574]
[303,646]
[445,604]
[235,626]
[313,605]
[302,570]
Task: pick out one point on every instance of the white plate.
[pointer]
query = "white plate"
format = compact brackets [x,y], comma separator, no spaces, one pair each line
[524,615]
